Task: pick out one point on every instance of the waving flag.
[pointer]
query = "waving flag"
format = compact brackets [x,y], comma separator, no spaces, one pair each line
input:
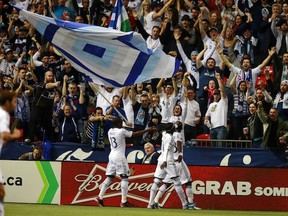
[119,19]
[107,56]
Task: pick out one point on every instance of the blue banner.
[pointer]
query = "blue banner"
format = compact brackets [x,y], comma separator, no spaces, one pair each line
[197,156]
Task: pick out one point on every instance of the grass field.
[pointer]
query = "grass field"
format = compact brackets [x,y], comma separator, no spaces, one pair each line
[54,210]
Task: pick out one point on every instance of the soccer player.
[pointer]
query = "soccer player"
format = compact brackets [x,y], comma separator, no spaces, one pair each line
[183,171]
[166,166]
[118,164]
[7,104]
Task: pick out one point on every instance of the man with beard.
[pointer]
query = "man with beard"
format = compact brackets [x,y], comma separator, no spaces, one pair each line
[246,73]
[281,101]
[281,69]
[206,73]
[275,129]
[42,106]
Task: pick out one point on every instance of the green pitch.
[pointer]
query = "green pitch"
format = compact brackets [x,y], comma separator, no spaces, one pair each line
[54,210]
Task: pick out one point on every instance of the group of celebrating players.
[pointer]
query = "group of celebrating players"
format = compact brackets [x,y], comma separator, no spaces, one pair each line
[171,168]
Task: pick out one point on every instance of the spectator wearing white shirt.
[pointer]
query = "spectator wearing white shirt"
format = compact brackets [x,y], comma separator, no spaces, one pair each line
[7,64]
[152,39]
[212,40]
[193,115]
[216,115]
[168,98]
[128,94]
[247,73]
[154,17]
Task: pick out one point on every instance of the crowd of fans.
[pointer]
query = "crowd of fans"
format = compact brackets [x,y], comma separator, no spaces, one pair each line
[233,82]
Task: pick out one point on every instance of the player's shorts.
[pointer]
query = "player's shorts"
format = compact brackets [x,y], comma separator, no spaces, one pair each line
[118,167]
[170,170]
[183,173]
[1,177]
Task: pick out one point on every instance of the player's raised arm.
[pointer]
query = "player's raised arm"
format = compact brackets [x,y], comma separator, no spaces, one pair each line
[141,132]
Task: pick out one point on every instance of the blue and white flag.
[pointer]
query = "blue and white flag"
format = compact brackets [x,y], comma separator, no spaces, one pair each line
[119,19]
[107,56]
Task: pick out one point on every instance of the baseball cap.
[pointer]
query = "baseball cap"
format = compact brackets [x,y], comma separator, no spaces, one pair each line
[23,28]
[213,28]
[194,52]
[7,51]
[157,3]
[285,82]
[185,17]
[217,92]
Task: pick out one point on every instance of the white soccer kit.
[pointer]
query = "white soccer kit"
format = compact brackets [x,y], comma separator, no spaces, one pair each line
[167,155]
[182,168]
[4,127]
[118,164]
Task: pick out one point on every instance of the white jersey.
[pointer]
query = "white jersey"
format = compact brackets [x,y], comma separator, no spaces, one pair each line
[4,124]
[177,137]
[117,141]
[167,105]
[167,148]
[4,127]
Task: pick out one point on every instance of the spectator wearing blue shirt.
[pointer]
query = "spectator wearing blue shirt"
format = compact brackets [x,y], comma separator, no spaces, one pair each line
[68,118]
[63,12]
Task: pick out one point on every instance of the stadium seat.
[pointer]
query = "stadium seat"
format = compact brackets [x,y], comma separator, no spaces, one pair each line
[203,137]
[261,77]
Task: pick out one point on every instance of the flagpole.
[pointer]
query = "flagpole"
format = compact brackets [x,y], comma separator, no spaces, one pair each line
[119,113]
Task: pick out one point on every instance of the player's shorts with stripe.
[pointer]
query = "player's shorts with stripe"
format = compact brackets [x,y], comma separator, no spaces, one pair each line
[170,170]
[183,172]
[118,167]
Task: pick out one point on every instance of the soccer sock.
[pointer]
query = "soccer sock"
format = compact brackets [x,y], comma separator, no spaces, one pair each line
[180,192]
[104,187]
[124,189]
[1,208]
[153,190]
[189,193]
[160,193]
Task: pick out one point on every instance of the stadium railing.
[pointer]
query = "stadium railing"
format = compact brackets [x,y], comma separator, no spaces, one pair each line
[221,143]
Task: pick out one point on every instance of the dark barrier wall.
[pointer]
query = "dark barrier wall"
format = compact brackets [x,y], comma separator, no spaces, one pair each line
[197,156]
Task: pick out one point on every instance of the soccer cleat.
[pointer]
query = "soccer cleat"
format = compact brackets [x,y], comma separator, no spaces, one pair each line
[188,206]
[196,208]
[193,206]
[126,205]
[100,202]
[156,206]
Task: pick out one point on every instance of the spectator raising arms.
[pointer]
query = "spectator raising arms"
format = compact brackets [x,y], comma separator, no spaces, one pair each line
[216,116]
